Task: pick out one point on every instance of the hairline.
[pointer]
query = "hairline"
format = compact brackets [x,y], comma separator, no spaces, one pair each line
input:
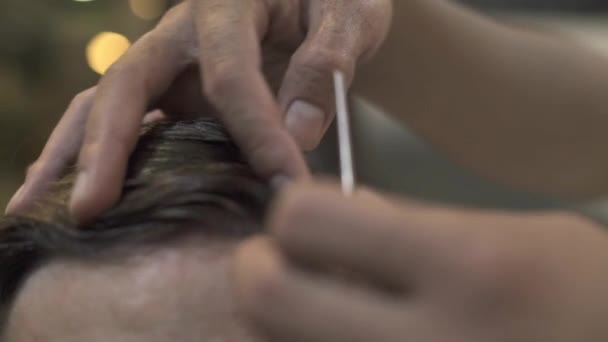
[111,239]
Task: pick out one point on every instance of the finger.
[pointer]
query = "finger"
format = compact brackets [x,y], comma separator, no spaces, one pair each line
[364,234]
[291,305]
[229,34]
[60,151]
[307,92]
[122,98]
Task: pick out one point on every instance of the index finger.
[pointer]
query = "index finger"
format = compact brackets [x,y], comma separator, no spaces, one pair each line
[230,32]
[123,97]
[364,234]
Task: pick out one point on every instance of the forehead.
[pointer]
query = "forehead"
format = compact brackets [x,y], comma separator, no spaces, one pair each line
[178,292]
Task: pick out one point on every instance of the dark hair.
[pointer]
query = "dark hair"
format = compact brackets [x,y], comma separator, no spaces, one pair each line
[183,176]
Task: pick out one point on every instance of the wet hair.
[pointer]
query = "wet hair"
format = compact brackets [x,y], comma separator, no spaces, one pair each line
[183,176]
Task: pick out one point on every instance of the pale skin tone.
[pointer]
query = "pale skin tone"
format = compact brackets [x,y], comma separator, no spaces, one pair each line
[414,272]
[524,108]
[178,291]
[265,65]
[520,107]
[422,273]
[460,80]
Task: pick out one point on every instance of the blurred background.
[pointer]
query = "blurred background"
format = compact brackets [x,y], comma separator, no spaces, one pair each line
[50,50]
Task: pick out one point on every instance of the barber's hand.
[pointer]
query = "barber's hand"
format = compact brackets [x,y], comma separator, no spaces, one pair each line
[259,60]
[408,272]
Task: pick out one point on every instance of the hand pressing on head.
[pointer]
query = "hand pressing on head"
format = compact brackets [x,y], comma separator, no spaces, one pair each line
[409,272]
[264,66]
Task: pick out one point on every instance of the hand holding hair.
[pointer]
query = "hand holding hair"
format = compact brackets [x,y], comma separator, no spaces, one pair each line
[265,66]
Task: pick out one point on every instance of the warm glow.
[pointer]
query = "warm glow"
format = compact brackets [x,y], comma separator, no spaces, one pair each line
[104,49]
[148,9]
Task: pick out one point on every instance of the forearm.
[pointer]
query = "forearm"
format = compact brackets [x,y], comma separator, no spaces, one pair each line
[520,107]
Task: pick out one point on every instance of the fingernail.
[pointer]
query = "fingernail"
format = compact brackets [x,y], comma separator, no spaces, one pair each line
[305,122]
[14,202]
[279,181]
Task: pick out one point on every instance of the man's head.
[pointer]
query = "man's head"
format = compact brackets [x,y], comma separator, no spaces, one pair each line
[154,268]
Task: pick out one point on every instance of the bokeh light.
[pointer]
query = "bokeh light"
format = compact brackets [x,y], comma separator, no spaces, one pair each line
[104,49]
[148,9]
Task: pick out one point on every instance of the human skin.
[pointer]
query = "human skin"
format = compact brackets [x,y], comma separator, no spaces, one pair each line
[418,272]
[422,273]
[532,120]
[519,106]
[265,65]
[172,291]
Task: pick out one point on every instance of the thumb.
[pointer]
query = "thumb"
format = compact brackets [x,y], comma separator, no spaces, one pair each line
[339,34]
[307,92]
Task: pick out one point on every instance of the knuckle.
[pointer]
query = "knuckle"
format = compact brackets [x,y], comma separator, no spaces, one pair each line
[375,13]
[122,69]
[181,40]
[177,19]
[159,39]
[323,61]
[126,74]
[117,69]
[33,170]
[311,75]
[174,11]
[83,97]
